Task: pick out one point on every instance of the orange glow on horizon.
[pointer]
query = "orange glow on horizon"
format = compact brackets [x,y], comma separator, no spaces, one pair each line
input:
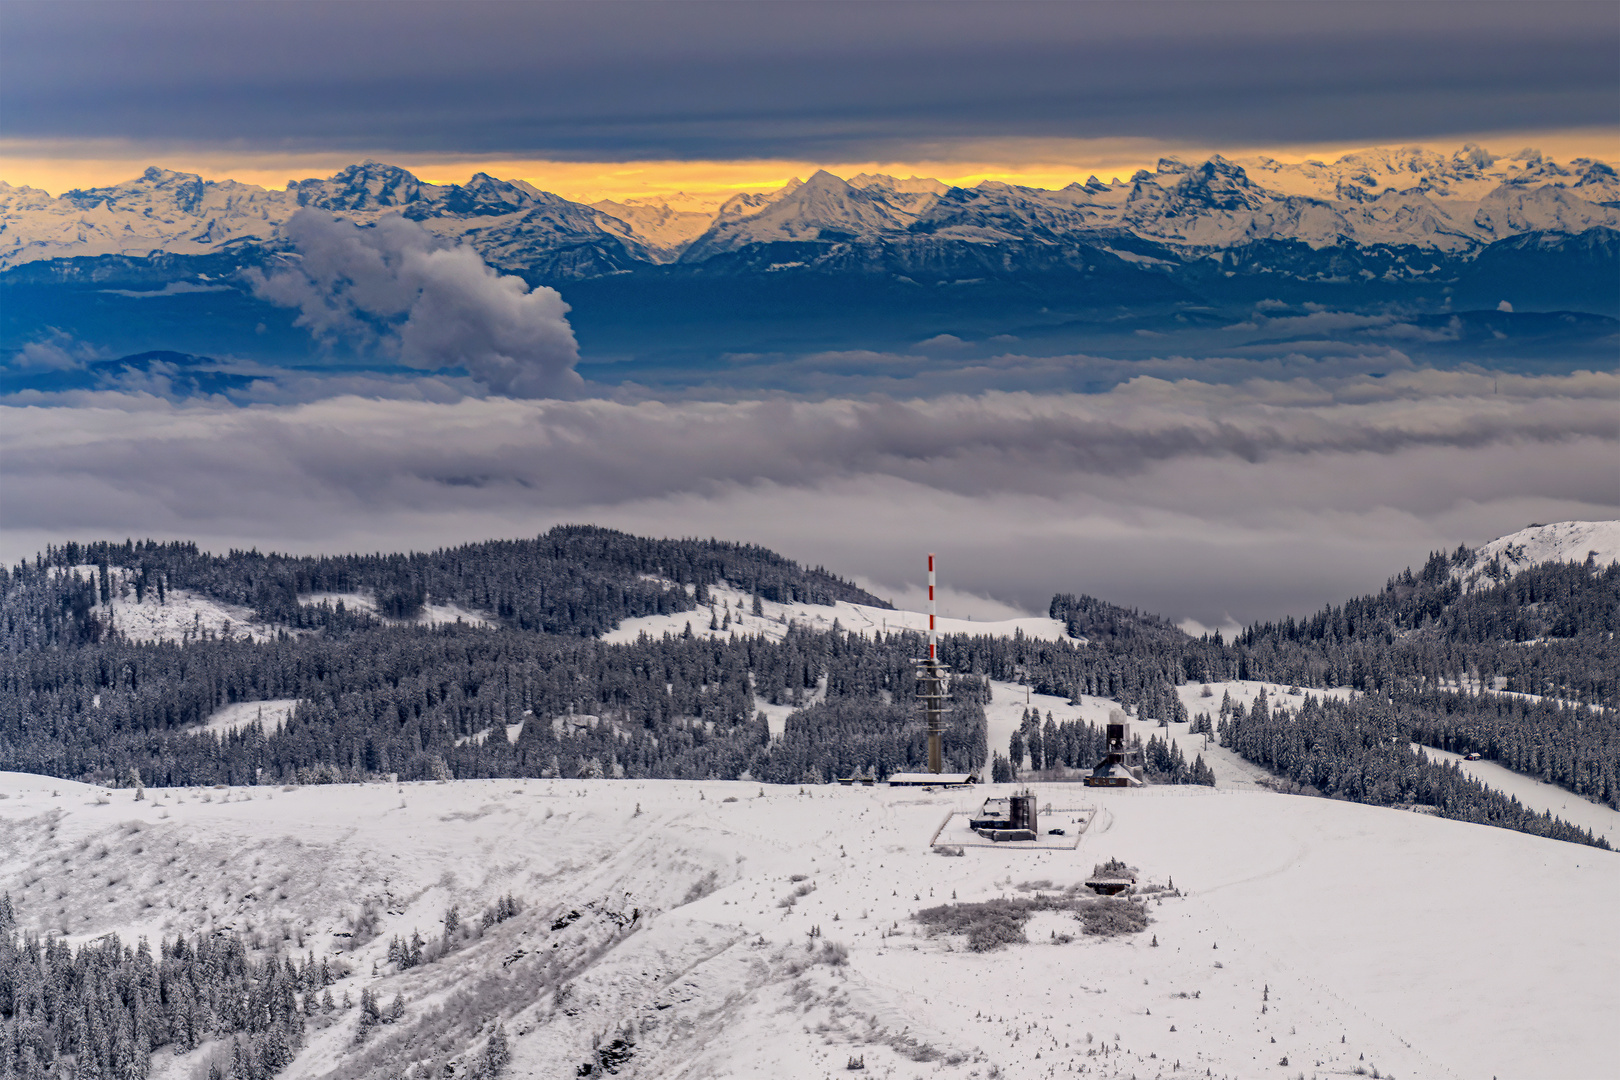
[1030,163]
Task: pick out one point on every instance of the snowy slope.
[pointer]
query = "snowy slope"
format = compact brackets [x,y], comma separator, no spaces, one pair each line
[1008,701]
[1338,936]
[180,616]
[1537,794]
[1564,541]
[432,614]
[272,715]
[777,618]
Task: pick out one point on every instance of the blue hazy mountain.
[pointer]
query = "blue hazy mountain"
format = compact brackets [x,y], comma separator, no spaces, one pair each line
[162,372]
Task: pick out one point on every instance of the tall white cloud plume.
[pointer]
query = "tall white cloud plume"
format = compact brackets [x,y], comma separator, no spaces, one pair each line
[425,303]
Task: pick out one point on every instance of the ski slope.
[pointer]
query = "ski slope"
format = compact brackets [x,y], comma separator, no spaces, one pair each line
[1336,935]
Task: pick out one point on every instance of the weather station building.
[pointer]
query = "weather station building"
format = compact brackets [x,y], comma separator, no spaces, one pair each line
[1121,764]
[1015,817]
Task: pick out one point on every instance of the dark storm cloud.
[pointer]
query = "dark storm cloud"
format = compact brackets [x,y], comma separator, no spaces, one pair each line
[840,80]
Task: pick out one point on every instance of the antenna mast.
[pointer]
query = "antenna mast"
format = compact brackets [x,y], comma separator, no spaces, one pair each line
[931,684]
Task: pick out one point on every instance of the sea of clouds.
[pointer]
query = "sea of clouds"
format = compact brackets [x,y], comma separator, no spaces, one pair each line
[1217,503]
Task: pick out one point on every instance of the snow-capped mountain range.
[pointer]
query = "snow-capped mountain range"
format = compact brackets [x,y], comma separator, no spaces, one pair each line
[1410,199]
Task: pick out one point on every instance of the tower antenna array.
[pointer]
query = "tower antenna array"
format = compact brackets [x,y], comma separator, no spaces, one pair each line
[931,684]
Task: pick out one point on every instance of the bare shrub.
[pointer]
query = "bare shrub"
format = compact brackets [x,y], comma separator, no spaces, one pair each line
[702,887]
[987,925]
[364,924]
[1110,917]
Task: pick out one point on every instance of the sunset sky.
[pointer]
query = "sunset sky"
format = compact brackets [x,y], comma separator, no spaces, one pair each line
[61,167]
[631,99]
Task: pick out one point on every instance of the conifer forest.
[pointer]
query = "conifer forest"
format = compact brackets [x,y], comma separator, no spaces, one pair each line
[378,697]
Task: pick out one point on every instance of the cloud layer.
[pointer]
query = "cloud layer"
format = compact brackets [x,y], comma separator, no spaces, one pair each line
[427,304]
[1205,501]
[823,81]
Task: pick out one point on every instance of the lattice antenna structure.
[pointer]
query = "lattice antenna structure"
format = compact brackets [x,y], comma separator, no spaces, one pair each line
[931,685]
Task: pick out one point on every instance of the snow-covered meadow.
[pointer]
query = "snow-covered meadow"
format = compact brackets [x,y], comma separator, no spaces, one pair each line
[177,615]
[1331,935]
[733,608]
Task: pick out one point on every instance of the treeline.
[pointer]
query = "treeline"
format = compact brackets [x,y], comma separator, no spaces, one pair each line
[458,702]
[377,700]
[853,736]
[1360,750]
[101,1010]
[1078,744]
[1571,745]
[575,579]
[1549,629]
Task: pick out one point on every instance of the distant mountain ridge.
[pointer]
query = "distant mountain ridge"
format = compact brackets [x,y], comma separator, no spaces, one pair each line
[1501,259]
[1406,198]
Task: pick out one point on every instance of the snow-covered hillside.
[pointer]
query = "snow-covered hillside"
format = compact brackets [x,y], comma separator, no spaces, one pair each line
[1564,541]
[177,615]
[433,613]
[1538,795]
[732,613]
[271,715]
[692,920]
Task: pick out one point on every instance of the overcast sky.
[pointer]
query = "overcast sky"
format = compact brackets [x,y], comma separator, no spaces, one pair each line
[841,81]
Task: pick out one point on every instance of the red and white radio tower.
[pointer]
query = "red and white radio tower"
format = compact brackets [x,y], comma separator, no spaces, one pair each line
[931,684]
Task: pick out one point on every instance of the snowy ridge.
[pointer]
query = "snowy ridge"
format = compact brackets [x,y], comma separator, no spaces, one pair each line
[1564,541]
[662,904]
[1538,795]
[666,230]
